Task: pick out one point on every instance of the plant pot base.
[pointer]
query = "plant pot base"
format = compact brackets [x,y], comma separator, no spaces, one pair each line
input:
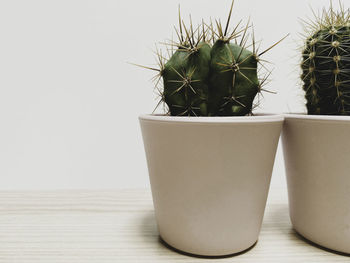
[320,246]
[211,256]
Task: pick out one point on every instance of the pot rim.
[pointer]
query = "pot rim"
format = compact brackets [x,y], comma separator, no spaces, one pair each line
[304,116]
[259,118]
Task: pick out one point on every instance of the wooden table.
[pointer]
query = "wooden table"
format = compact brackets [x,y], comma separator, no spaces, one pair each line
[119,226]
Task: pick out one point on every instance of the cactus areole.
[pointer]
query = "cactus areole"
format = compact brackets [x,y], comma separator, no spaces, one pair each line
[210,72]
[326,64]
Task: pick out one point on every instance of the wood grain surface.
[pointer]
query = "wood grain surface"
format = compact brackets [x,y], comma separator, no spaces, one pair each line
[119,226]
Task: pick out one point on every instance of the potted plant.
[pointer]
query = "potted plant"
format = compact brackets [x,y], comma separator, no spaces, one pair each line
[317,146]
[209,159]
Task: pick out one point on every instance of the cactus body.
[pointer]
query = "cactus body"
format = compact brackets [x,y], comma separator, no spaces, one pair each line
[326,66]
[218,81]
[185,78]
[234,79]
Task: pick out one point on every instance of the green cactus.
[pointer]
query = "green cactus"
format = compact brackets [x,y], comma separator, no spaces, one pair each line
[326,64]
[234,75]
[185,76]
[207,75]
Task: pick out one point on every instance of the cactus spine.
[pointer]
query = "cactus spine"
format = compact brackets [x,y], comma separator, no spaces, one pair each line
[208,74]
[326,64]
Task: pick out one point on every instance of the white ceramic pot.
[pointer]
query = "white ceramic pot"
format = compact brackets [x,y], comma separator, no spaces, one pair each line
[317,158]
[210,178]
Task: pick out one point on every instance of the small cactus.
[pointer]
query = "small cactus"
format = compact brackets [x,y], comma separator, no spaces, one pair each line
[234,74]
[207,75]
[186,75]
[326,63]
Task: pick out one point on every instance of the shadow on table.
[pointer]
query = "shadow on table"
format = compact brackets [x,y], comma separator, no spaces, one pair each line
[148,227]
[150,233]
[282,215]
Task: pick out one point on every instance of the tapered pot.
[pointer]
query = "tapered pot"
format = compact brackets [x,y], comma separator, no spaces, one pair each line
[317,159]
[210,178]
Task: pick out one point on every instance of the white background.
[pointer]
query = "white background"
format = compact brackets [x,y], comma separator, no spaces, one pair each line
[69,101]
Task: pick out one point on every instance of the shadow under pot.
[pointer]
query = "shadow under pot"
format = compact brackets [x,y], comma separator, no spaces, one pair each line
[210,178]
[317,160]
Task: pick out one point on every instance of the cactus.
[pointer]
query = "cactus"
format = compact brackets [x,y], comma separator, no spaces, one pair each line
[234,76]
[207,75]
[326,63]
[185,75]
